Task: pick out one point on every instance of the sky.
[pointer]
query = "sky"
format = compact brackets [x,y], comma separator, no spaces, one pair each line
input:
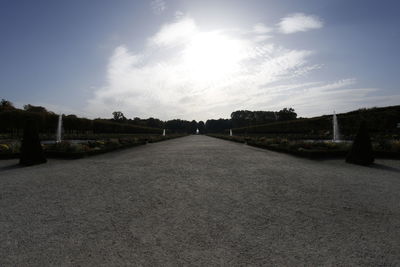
[199,59]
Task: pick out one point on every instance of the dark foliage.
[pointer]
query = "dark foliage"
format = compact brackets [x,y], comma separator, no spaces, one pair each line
[74,151]
[153,123]
[218,126]
[202,127]
[6,105]
[380,121]
[31,108]
[308,150]
[243,118]
[181,126]
[246,118]
[12,122]
[192,127]
[118,116]
[106,126]
[287,114]
[361,151]
[31,149]
[296,126]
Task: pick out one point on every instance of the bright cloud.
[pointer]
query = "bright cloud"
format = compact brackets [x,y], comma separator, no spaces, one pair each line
[158,6]
[185,72]
[175,34]
[317,98]
[299,22]
[261,32]
[261,28]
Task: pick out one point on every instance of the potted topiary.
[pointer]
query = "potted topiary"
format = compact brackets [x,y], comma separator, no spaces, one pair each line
[31,149]
[361,151]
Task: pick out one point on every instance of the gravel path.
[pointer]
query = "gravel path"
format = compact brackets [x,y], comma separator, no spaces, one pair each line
[199,201]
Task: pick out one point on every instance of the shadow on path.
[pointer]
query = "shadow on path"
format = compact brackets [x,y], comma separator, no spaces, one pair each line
[11,167]
[384,167]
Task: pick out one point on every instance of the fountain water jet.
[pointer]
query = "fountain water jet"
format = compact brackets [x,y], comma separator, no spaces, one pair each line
[230,132]
[163,133]
[276,116]
[59,129]
[335,125]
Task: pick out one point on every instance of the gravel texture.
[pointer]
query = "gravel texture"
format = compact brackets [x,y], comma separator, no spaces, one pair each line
[199,201]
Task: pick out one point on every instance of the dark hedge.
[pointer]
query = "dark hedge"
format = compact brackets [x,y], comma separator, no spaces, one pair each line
[31,149]
[361,151]
[13,121]
[380,120]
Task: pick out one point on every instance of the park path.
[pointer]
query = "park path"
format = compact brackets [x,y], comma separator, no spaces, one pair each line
[199,201]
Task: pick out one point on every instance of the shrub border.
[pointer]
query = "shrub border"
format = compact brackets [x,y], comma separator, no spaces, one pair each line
[305,153]
[79,155]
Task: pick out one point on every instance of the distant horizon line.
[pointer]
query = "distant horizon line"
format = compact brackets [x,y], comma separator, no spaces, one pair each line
[142,118]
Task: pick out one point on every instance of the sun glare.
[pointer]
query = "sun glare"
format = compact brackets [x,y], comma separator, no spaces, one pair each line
[212,56]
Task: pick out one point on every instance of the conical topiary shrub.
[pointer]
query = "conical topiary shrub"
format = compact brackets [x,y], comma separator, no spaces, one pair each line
[361,151]
[31,149]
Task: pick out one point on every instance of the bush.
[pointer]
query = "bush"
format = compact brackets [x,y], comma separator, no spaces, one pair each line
[381,121]
[4,148]
[361,151]
[31,149]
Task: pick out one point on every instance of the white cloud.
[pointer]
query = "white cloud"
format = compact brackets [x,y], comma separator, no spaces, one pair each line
[158,6]
[185,72]
[174,33]
[261,32]
[317,98]
[260,28]
[299,22]
[179,14]
[261,38]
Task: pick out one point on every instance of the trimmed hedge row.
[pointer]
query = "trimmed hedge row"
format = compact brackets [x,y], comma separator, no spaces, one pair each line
[13,121]
[308,150]
[298,151]
[379,120]
[70,151]
[82,154]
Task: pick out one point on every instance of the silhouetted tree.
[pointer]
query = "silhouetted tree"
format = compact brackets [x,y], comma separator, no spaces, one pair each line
[287,114]
[218,126]
[153,123]
[192,127]
[118,116]
[361,151]
[31,149]
[244,118]
[178,126]
[31,108]
[202,127]
[6,105]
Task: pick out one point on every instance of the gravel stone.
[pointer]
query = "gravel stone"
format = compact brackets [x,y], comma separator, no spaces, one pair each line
[199,201]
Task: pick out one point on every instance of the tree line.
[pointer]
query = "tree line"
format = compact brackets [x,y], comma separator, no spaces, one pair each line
[380,121]
[12,120]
